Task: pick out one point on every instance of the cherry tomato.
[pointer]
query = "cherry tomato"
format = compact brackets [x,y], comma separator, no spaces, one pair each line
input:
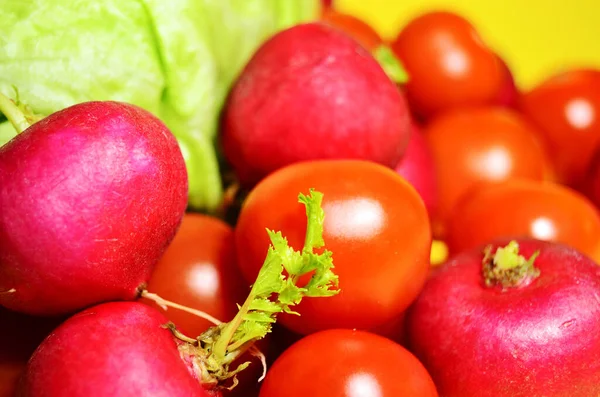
[198,270]
[477,145]
[521,208]
[566,109]
[448,64]
[375,224]
[353,26]
[341,363]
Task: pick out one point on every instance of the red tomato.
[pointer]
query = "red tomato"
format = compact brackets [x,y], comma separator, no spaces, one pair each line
[376,225]
[480,145]
[520,208]
[198,270]
[566,109]
[353,26]
[341,363]
[448,64]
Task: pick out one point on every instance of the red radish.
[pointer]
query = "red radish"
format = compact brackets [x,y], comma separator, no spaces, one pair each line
[497,324]
[592,185]
[312,92]
[90,197]
[508,95]
[112,349]
[418,168]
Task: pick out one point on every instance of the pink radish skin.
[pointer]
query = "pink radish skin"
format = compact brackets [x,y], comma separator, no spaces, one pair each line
[312,92]
[418,169]
[112,349]
[89,199]
[592,181]
[508,96]
[537,340]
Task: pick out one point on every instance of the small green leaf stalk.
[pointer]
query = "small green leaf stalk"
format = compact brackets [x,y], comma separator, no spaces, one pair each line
[18,113]
[506,268]
[213,354]
[391,64]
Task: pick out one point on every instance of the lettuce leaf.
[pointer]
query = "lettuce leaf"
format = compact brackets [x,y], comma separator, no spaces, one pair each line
[175,58]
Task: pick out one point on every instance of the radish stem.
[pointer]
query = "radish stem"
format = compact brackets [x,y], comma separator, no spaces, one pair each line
[164,304]
[13,114]
[507,268]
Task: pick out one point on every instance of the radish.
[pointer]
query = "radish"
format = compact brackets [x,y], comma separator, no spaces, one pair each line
[89,199]
[516,320]
[508,95]
[128,349]
[312,92]
[113,349]
[418,168]
[591,187]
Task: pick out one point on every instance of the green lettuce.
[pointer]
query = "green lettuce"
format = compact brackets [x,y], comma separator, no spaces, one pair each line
[175,58]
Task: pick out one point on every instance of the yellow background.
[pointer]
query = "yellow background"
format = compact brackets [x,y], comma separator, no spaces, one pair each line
[535,37]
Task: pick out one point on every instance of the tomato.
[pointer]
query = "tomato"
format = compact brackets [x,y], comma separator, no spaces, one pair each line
[198,270]
[353,26]
[448,64]
[376,226]
[477,145]
[566,109]
[340,363]
[521,208]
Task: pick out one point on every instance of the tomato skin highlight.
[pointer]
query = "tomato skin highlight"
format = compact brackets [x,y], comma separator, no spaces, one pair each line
[566,110]
[448,64]
[522,208]
[482,144]
[340,363]
[538,340]
[375,224]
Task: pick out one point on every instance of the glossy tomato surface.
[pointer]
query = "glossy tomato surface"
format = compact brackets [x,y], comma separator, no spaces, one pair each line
[448,64]
[375,224]
[520,208]
[566,109]
[353,26]
[486,144]
[343,363]
[198,270]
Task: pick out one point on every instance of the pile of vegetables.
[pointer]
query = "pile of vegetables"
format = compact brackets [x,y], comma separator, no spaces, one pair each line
[248,198]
